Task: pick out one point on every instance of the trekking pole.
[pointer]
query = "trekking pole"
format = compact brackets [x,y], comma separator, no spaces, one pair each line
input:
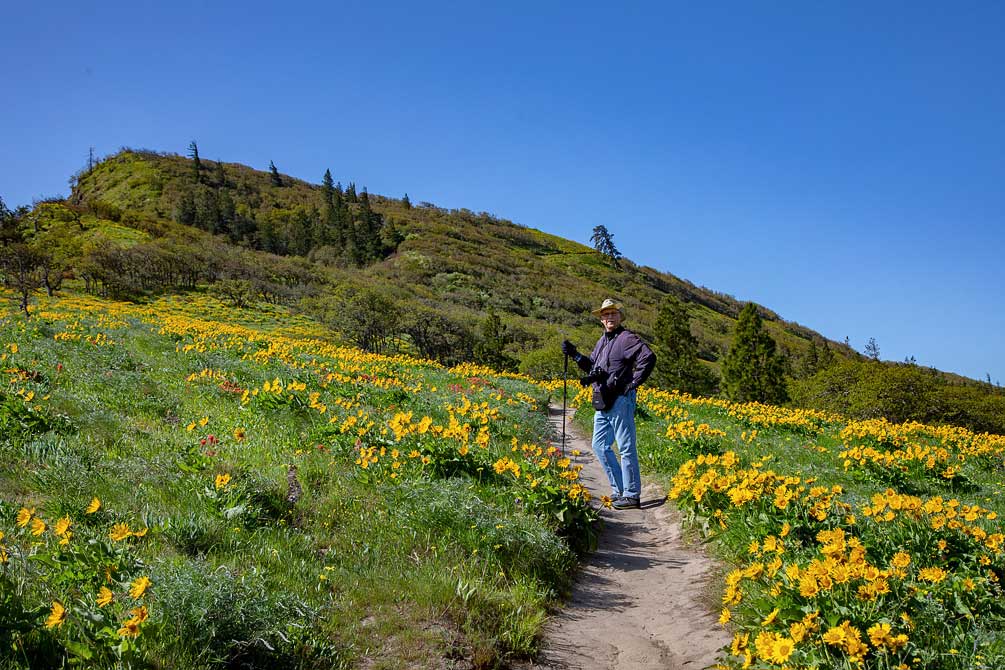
[565,381]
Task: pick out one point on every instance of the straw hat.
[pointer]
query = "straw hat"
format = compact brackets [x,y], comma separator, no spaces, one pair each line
[609,303]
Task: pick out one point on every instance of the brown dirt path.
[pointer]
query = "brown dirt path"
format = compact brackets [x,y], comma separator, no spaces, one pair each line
[639,601]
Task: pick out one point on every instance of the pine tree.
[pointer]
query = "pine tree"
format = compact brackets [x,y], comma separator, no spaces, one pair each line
[603,241]
[350,192]
[676,349]
[872,349]
[370,225]
[826,357]
[185,209]
[227,212]
[328,188]
[193,153]
[221,175]
[752,369]
[274,174]
[406,202]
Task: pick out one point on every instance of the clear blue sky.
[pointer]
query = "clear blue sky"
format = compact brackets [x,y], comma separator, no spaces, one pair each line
[840,163]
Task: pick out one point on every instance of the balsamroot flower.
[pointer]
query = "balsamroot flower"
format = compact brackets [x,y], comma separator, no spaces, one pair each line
[139,586]
[24,515]
[104,596]
[119,532]
[57,615]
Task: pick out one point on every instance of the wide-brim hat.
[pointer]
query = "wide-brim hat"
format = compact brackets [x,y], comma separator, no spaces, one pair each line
[609,303]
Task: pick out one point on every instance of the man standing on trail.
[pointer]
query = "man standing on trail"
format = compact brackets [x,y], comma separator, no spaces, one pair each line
[619,364]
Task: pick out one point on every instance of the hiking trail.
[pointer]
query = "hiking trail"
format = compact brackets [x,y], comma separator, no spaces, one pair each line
[640,600]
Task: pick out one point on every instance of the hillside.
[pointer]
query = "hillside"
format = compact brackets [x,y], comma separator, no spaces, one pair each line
[454,261]
[391,276]
[186,484]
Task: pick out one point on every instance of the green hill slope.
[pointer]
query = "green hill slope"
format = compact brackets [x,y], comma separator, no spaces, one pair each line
[395,277]
[457,262]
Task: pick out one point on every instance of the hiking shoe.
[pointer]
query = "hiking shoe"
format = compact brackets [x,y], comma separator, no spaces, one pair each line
[624,502]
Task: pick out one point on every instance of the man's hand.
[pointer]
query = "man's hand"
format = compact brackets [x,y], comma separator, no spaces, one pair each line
[569,349]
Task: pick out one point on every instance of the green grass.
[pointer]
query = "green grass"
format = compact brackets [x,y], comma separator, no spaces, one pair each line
[448,560]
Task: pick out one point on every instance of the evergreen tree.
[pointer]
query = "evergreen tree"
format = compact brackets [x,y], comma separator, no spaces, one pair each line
[752,369]
[350,192]
[676,349]
[227,213]
[370,225]
[207,210]
[406,202]
[603,241]
[274,174]
[193,153]
[221,175]
[826,357]
[185,209]
[328,188]
[390,236]
[872,349]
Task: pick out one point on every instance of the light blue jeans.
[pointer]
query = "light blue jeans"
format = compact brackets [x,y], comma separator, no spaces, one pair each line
[618,423]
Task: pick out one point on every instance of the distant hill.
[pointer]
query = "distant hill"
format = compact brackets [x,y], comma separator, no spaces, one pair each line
[458,263]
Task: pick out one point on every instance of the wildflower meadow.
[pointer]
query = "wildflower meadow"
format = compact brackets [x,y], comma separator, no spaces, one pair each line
[846,544]
[189,485]
[186,484]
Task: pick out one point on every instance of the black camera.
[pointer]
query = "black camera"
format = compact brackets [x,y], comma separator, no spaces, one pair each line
[596,376]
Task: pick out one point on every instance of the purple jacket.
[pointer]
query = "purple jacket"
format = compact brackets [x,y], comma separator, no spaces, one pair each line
[627,360]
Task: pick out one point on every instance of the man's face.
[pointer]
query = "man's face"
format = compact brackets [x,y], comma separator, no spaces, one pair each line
[611,319]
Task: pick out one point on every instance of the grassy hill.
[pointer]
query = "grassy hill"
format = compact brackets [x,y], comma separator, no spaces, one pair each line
[391,276]
[458,262]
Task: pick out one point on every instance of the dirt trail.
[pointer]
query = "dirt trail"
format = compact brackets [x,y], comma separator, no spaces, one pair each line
[638,600]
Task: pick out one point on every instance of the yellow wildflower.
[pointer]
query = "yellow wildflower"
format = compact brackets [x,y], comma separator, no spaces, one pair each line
[768,620]
[94,506]
[104,596]
[781,650]
[120,531]
[24,515]
[62,526]
[57,615]
[130,628]
[139,586]
[901,560]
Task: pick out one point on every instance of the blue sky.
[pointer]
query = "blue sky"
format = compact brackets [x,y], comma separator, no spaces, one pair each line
[840,163]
